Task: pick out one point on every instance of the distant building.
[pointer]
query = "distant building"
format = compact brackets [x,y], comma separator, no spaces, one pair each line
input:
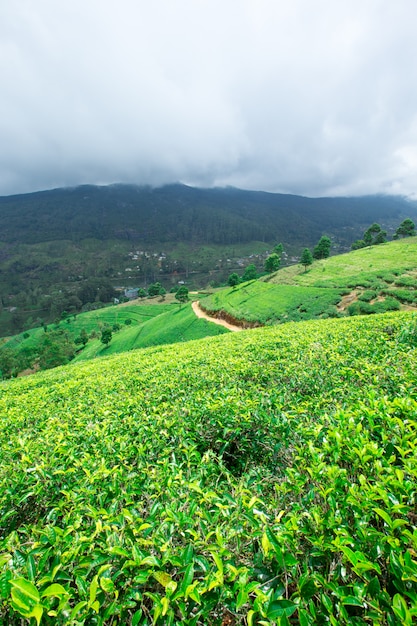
[131,293]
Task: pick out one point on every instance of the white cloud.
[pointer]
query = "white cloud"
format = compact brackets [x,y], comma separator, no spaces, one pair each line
[302,97]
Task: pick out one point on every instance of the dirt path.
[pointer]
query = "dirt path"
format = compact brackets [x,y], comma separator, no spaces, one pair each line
[200,313]
[348,299]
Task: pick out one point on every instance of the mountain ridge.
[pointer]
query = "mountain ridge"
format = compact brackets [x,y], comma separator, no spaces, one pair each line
[183,213]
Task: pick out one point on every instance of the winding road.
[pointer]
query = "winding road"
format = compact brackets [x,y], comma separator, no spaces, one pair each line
[200,313]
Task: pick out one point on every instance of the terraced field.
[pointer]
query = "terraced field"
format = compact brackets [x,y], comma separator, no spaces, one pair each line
[371,280]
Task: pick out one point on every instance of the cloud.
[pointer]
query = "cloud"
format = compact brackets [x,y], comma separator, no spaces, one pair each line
[311,98]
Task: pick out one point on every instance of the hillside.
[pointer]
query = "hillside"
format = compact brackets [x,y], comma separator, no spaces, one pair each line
[371,280]
[78,337]
[364,267]
[180,213]
[57,246]
[263,477]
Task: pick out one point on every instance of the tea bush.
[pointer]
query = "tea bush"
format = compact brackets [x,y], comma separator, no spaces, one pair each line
[266,477]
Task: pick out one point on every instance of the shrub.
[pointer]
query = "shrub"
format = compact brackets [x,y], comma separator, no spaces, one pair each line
[406,281]
[408,333]
[367,295]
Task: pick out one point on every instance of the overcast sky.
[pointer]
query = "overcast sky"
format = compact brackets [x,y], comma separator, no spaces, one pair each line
[313,97]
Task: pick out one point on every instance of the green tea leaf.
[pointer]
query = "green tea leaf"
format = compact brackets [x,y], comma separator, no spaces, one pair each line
[24,594]
[278,608]
[163,578]
[56,590]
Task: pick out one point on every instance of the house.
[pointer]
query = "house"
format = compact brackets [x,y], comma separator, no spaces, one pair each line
[131,293]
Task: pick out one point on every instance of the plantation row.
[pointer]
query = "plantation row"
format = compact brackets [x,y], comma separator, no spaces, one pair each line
[265,477]
[78,338]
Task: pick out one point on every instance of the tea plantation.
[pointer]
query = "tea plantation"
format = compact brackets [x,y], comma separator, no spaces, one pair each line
[267,477]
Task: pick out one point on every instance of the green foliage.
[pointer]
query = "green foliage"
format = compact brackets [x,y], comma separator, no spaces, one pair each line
[265,477]
[250,273]
[403,295]
[322,249]
[306,258]
[406,281]
[373,236]
[233,280]
[272,263]
[367,295]
[96,289]
[135,330]
[382,306]
[408,333]
[266,303]
[154,289]
[106,335]
[407,228]
[84,336]
[182,294]
[8,362]
[367,266]
[55,348]
[358,244]
[50,251]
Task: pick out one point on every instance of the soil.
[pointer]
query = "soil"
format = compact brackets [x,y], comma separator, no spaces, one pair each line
[202,314]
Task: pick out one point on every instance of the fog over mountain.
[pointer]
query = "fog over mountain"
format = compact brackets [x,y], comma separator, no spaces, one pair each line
[297,97]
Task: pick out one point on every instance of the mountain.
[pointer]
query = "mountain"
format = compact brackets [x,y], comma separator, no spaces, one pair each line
[180,213]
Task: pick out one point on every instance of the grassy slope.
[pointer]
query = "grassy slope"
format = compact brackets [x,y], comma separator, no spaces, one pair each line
[151,324]
[294,294]
[345,269]
[171,326]
[271,471]
[94,320]
[265,303]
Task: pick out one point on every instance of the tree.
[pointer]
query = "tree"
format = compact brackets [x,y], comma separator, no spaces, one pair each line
[141,293]
[358,244]
[272,263]
[154,289]
[8,363]
[407,228]
[233,280]
[95,289]
[306,258]
[372,236]
[182,294]
[380,237]
[250,273]
[106,336]
[322,249]
[84,336]
[55,348]
[279,249]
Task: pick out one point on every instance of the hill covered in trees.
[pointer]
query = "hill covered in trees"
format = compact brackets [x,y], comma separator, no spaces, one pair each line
[180,213]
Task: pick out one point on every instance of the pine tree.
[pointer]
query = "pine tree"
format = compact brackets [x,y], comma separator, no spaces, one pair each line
[306,258]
